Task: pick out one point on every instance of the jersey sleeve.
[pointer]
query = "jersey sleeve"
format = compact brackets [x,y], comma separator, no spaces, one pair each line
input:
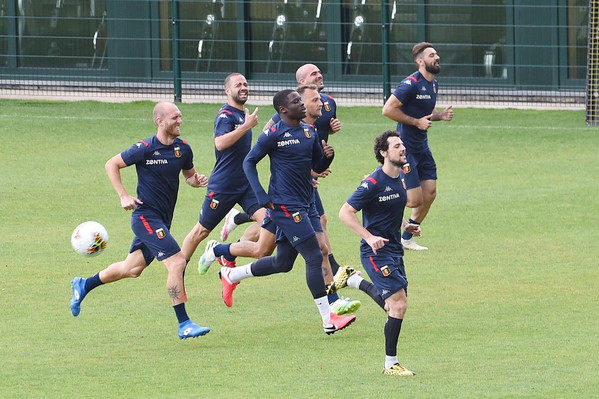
[135,153]
[319,162]
[364,194]
[188,162]
[223,123]
[262,147]
[404,90]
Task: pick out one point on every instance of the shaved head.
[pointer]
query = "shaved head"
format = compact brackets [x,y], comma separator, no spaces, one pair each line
[161,109]
[309,74]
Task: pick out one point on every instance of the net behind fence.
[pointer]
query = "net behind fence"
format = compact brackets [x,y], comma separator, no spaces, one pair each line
[493,53]
[592,104]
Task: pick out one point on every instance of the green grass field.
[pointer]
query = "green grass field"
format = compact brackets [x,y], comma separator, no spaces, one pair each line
[503,305]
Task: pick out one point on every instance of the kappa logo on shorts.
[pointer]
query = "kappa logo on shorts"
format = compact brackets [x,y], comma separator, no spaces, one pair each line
[297,217]
[160,234]
[385,270]
[214,203]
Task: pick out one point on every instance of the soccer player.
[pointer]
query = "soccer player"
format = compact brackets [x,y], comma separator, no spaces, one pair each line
[294,151]
[265,245]
[228,184]
[326,124]
[158,161]
[382,198]
[412,106]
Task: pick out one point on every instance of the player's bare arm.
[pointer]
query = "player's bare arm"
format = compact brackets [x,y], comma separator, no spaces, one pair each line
[445,115]
[348,215]
[194,179]
[392,110]
[113,169]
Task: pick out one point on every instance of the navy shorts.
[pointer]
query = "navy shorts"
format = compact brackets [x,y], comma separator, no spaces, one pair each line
[422,167]
[295,225]
[216,206]
[268,224]
[387,273]
[318,202]
[153,237]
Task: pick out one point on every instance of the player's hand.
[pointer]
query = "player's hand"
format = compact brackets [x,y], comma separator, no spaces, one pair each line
[413,229]
[251,120]
[327,149]
[425,122]
[202,180]
[322,174]
[315,183]
[197,180]
[129,202]
[447,114]
[376,242]
[335,125]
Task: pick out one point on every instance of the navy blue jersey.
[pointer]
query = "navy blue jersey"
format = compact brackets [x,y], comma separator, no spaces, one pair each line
[382,200]
[419,97]
[226,177]
[293,151]
[323,123]
[158,167]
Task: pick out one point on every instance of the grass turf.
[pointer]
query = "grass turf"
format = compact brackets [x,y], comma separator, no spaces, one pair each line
[502,305]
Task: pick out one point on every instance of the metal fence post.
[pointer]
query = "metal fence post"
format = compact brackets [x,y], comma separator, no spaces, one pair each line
[385,45]
[176,58]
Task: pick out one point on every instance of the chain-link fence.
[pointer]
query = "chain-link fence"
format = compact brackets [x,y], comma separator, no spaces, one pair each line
[493,52]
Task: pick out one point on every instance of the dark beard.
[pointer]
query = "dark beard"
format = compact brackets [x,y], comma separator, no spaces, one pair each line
[432,68]
[398,164]
[238,100]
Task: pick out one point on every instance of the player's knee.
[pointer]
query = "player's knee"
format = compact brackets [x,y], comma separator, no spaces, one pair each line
[397,308]
[262,252]
[199,232]
[324,249]
[315,258]
[415,198]
[431,196]
[177,267]
[284,266]
[397,311]
[414,202]
[134,272]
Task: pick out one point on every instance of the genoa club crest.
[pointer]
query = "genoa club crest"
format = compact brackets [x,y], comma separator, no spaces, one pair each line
[297,217]
[178,152]
[307,132]
[385,270]
[214,203]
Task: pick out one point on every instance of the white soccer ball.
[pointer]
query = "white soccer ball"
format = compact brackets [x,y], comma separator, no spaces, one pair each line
[89,238]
